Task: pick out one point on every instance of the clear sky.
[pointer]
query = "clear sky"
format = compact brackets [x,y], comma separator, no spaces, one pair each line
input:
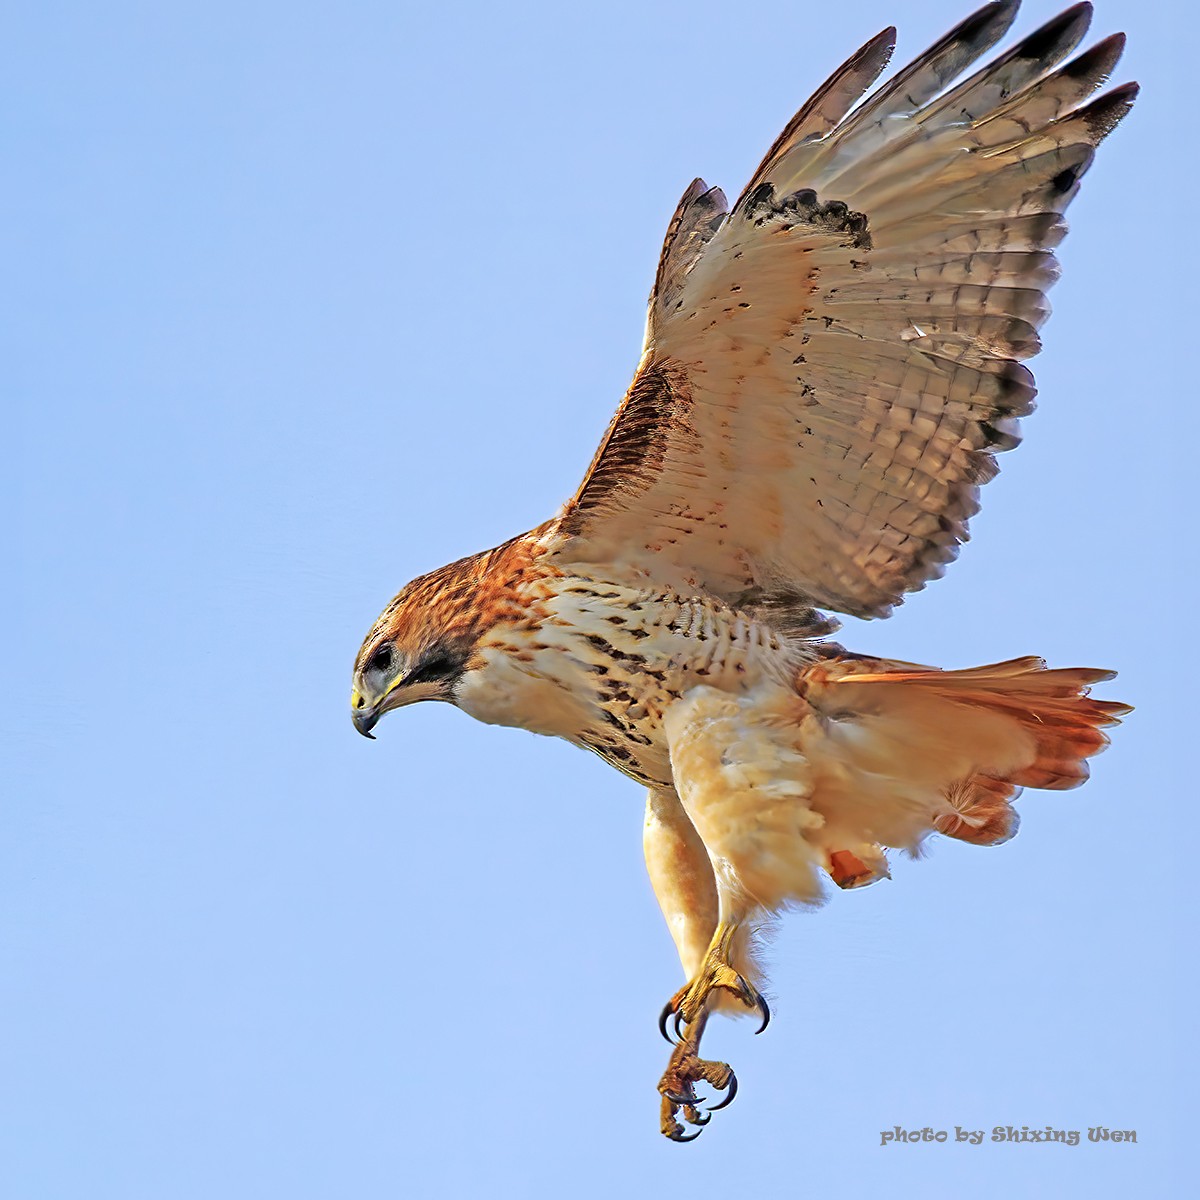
[305,299]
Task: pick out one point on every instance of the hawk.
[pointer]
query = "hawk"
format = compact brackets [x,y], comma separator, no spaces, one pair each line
[830,365]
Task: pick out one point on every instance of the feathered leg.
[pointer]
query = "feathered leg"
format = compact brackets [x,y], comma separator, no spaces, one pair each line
[742,789]
[682,876]
[686,887]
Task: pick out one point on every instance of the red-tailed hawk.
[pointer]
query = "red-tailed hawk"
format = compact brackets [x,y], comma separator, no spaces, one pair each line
[830,364]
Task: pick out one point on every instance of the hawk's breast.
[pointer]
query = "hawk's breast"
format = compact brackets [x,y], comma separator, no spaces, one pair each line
[604,661]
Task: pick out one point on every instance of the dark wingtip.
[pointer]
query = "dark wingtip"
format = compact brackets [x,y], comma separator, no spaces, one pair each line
[1106,113]
[1071,23]
[1001,12]
[1103,54]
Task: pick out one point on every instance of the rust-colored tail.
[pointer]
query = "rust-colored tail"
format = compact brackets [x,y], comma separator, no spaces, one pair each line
[1054,709]
[996,729]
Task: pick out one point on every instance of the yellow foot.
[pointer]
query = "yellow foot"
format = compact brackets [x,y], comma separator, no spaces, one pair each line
[684,1070]
[692,1000]
[690,1007]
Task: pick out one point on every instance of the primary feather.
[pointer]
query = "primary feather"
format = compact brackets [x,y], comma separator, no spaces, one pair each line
[831,367]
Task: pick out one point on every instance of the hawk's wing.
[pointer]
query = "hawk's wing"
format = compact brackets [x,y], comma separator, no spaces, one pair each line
[830,366]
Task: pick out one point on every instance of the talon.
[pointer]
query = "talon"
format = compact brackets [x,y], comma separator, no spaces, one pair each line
[729,1095]
[765,1009]
[663,1018]
[687,1013]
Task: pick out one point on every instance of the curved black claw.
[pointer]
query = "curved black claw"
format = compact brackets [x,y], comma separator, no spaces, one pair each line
[765,1009]
[729,1095]
[693,1116]
[683,1101]
[677,1134]
[679,1025]
[663,1018]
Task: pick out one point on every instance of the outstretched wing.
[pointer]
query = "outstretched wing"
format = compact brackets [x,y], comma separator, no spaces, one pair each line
[830,366]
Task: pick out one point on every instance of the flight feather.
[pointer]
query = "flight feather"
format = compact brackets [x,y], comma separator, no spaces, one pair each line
[831,366]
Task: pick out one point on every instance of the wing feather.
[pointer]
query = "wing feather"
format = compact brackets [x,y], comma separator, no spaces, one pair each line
[696,220]
[830,368]
[887,115]
[829,103]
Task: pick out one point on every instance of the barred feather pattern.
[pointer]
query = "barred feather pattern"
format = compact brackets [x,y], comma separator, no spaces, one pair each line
[832,366]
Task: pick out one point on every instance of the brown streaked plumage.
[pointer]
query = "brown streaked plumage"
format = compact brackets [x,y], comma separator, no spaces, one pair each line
[829,370]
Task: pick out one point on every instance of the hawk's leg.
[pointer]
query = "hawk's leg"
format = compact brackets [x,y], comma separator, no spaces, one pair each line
[716,971]
[691,1006]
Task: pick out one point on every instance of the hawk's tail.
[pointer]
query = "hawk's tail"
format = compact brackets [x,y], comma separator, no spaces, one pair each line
[979,736]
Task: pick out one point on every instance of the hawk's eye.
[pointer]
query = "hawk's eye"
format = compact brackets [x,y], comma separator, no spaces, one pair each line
[381,660]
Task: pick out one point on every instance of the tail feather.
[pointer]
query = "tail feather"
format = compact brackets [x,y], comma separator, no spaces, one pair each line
[978,736]
[983,813]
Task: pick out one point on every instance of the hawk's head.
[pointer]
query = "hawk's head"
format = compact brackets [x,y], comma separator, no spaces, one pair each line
[391,673]
[425,640]
[417,650]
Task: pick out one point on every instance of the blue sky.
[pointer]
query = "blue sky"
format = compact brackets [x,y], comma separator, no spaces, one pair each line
[306,299]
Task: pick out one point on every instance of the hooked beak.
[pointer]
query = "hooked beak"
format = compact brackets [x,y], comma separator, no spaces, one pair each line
[365,716]
[400,694]
[365,719]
